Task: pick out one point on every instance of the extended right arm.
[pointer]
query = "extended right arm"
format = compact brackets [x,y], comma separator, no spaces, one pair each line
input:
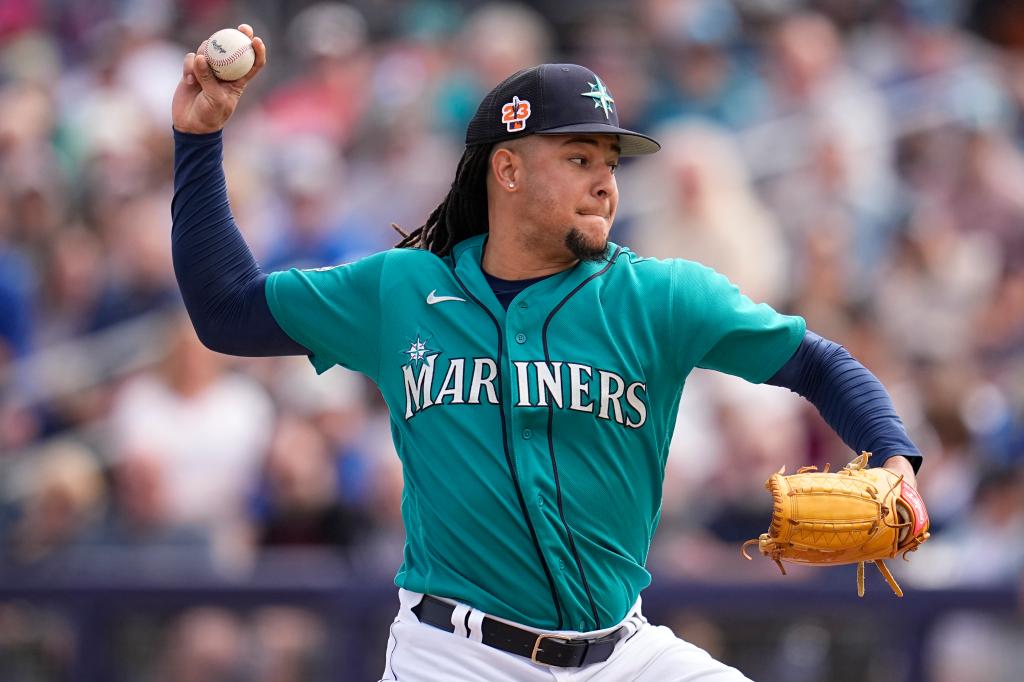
[220,282]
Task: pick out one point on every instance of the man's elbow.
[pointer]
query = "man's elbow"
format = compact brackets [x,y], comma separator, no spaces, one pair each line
[213,338]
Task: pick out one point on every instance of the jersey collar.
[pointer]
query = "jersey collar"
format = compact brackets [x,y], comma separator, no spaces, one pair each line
[468,258]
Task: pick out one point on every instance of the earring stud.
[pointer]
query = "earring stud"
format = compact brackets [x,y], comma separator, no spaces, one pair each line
[511,185]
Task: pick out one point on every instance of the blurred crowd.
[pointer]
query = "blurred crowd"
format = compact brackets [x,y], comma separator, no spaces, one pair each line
[857,163]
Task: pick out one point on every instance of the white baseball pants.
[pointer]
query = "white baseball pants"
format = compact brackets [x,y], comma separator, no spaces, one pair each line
[418,652]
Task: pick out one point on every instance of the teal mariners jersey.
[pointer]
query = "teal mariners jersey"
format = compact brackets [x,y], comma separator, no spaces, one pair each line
[533,440]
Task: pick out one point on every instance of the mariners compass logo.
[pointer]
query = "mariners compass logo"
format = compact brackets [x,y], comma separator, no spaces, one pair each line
[419,350]
[602,98]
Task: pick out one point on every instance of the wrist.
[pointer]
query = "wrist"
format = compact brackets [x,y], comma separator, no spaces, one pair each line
[186,135]
[900,465]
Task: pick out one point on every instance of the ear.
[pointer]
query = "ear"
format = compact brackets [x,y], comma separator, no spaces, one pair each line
[506,168]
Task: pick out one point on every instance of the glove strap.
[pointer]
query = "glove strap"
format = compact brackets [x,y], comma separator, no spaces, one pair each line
[888,577]
[885,574]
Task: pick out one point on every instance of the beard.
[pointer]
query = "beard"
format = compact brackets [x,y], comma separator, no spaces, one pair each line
[584,249]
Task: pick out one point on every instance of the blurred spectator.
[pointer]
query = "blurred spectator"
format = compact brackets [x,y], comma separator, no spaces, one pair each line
[496,40]
[290,645]
[140,277]
[989,533]
[59,497]
[1013,77]
[72,286]
[336,405]
[100,114]
[206,643]
[35,643]
[15,307]
[139,531]
[937,262]
[831,125]
[206,427]
[382,551]
[275,644]
[327,97]
[303,506]
[701,75]
[311,230]
[949,72]
[704,208]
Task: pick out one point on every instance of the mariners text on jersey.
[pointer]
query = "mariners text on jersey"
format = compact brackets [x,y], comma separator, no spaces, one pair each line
[570,385]
[533,439]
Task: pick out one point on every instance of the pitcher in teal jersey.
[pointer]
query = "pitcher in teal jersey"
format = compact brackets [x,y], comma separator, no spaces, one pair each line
[550,420]
[533,371]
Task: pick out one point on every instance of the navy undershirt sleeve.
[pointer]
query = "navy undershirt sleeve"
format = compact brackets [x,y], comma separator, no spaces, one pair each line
[220,281]
[849,397]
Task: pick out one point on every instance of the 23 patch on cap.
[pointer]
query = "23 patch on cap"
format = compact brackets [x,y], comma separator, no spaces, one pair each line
[514,114]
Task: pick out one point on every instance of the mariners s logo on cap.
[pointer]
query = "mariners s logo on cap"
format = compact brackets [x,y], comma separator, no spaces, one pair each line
[602,98]
[515,113]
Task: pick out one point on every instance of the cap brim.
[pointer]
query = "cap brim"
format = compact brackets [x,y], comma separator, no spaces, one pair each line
[632,144]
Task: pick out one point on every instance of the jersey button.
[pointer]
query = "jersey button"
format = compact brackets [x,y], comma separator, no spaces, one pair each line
[540,500]
[520,338]
[527,434]
[561,565]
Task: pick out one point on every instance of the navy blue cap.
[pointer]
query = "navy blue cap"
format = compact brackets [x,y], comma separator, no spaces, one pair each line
[552,99]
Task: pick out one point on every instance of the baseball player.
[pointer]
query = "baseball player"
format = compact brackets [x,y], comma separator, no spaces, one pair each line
[532,369]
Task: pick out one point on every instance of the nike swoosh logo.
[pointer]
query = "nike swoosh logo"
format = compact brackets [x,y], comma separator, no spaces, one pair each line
[433,298]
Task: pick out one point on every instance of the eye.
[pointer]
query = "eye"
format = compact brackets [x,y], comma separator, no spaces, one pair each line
[614,167]
[579,160]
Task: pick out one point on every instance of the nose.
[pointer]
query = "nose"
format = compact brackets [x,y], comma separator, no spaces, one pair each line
[604,187]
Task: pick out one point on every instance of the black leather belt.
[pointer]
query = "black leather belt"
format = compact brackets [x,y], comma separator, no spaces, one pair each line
[546,649]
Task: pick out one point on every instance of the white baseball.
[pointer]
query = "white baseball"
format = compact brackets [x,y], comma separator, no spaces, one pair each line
[229,53]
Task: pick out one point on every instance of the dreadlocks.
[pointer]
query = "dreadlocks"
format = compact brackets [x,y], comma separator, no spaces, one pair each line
[463,213]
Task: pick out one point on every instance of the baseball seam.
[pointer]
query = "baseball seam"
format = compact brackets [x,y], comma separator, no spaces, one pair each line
[227,60]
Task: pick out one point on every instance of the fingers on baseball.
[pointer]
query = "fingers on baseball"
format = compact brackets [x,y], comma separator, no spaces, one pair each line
[190,73]
[203,72]
[260,49]
[200,67]
[246,29]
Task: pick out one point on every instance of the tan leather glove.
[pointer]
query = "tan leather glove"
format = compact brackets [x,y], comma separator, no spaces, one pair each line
[850,516]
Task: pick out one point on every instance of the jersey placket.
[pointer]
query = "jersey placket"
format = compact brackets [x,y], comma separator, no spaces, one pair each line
[520,328]
[529,423]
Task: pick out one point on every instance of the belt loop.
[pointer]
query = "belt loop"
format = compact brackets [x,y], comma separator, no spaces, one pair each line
[409,602]
[459,619]
[476,625]
[583,657]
